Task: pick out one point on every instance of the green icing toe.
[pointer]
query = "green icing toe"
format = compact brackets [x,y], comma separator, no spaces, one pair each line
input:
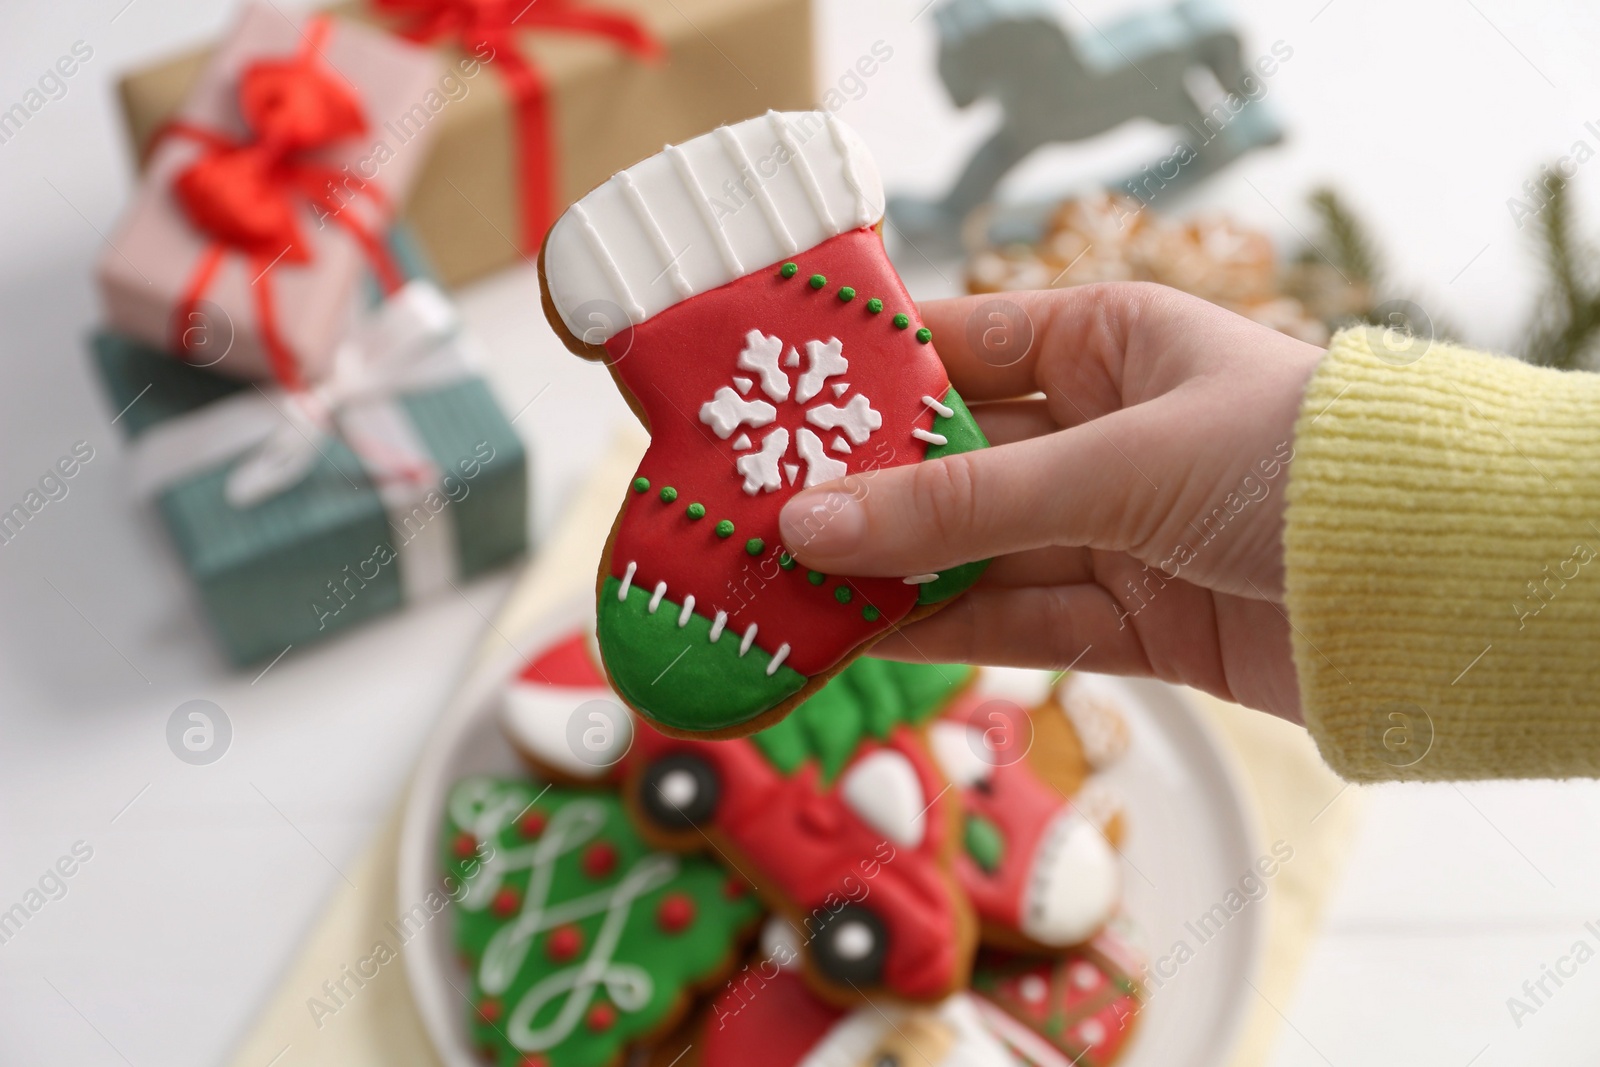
[678,676]
[961,434]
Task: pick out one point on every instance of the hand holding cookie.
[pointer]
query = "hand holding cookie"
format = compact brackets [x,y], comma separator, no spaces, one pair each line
[1133,500]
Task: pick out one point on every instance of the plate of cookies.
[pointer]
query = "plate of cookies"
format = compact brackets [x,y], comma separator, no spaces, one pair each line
[922,863]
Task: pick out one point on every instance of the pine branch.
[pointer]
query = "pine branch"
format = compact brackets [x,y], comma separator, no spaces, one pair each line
[1568,322]
[1351,248]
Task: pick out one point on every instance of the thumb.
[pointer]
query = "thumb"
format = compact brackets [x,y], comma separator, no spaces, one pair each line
[1072,487]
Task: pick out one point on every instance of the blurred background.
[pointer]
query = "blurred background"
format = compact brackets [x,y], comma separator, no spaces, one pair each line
[1425,119]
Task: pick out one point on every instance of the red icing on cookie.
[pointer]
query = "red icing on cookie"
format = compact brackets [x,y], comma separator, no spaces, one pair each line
[506,902]
[564,943]
[566,664]
[887,366]
[778,1022]
[464,845]
[601,1017]
[734,888]
[532,824]
[675,913]
[1022,806]
[490,1009]
[599,859]
[797,832]
[533,1059]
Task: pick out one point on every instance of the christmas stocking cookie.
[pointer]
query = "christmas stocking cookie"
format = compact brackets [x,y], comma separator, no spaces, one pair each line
[1037,859]
[582,942]
[738,289]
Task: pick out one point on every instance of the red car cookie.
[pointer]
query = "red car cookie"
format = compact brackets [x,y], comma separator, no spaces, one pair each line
[738,290]
[837,816]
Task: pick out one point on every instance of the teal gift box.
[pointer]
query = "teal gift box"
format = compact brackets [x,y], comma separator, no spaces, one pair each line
[298,517]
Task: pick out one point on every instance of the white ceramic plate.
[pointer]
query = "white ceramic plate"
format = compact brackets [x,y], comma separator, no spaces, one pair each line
[1189,838]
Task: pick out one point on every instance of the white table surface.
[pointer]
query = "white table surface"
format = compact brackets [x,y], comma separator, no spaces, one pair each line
[1428,115]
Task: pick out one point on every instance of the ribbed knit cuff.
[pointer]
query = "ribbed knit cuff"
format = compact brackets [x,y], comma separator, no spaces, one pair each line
[1443,557]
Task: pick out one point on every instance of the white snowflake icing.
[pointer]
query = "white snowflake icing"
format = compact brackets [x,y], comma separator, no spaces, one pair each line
[765,469]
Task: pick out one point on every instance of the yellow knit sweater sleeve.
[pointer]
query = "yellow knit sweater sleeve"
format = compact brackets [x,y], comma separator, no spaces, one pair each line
[1443,557]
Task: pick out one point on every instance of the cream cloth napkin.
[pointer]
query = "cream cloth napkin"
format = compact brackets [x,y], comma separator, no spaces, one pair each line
[374,1024]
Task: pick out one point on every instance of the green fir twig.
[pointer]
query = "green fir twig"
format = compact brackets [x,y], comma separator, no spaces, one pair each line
[1567,323]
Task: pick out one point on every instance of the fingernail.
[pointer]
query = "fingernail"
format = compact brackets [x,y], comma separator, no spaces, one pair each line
[826,523]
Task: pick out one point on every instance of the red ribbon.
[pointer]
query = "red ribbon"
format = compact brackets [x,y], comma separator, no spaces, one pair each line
[246,194]
[492,24]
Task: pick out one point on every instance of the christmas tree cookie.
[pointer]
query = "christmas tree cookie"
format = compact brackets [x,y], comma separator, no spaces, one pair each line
[737,287]
[581,940]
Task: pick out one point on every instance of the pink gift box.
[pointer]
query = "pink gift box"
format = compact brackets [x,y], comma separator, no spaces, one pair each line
[244,247]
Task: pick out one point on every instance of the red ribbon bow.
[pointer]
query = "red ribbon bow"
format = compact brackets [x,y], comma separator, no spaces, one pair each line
[247,195]
[492,24]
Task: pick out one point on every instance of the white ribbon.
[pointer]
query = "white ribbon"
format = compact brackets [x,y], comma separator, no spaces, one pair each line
[412,343]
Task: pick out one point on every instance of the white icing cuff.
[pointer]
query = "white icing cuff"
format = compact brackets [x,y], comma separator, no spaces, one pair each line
[704,213]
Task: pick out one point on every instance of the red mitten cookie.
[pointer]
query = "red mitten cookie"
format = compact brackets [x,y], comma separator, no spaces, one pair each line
[740,294]
[765,1015]
[1037,861]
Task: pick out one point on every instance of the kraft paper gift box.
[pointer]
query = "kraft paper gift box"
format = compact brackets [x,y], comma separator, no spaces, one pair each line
[533,115]
[301,515]
[267,196]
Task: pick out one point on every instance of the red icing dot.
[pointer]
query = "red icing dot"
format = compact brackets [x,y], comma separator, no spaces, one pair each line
[564,943]
[675,913]
[533,1059]
[601,1017]
[532,824]
[489,1009]
[464,845]
[734,888]
[599,859]
[506,902]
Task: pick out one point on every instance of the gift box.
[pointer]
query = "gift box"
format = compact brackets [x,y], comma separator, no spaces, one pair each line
[267,194]
[299,515]
[534,107]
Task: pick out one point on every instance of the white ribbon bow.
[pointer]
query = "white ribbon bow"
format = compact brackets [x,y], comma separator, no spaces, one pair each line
[412,343]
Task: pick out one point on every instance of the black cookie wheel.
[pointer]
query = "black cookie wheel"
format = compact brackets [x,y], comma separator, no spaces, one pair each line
[679,792]
[851,947]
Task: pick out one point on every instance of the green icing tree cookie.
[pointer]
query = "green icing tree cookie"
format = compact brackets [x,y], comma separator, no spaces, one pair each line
[581,940]
[866,699]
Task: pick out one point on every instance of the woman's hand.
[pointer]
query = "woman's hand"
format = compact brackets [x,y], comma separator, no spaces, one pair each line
[1134,509]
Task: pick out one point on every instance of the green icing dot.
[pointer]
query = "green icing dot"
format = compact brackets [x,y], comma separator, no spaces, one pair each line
[842,594]
[754,546]
[924,335]
[668,494]
[818,281]
[901,321]
[641,485]
[874,305]
[789,270]
[786,561]
[725,528]
[984,843]
[870,613]
[846,293]
[815,577]
[697,510]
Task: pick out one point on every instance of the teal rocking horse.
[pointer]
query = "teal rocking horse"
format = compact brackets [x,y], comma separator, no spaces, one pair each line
[1054,87]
